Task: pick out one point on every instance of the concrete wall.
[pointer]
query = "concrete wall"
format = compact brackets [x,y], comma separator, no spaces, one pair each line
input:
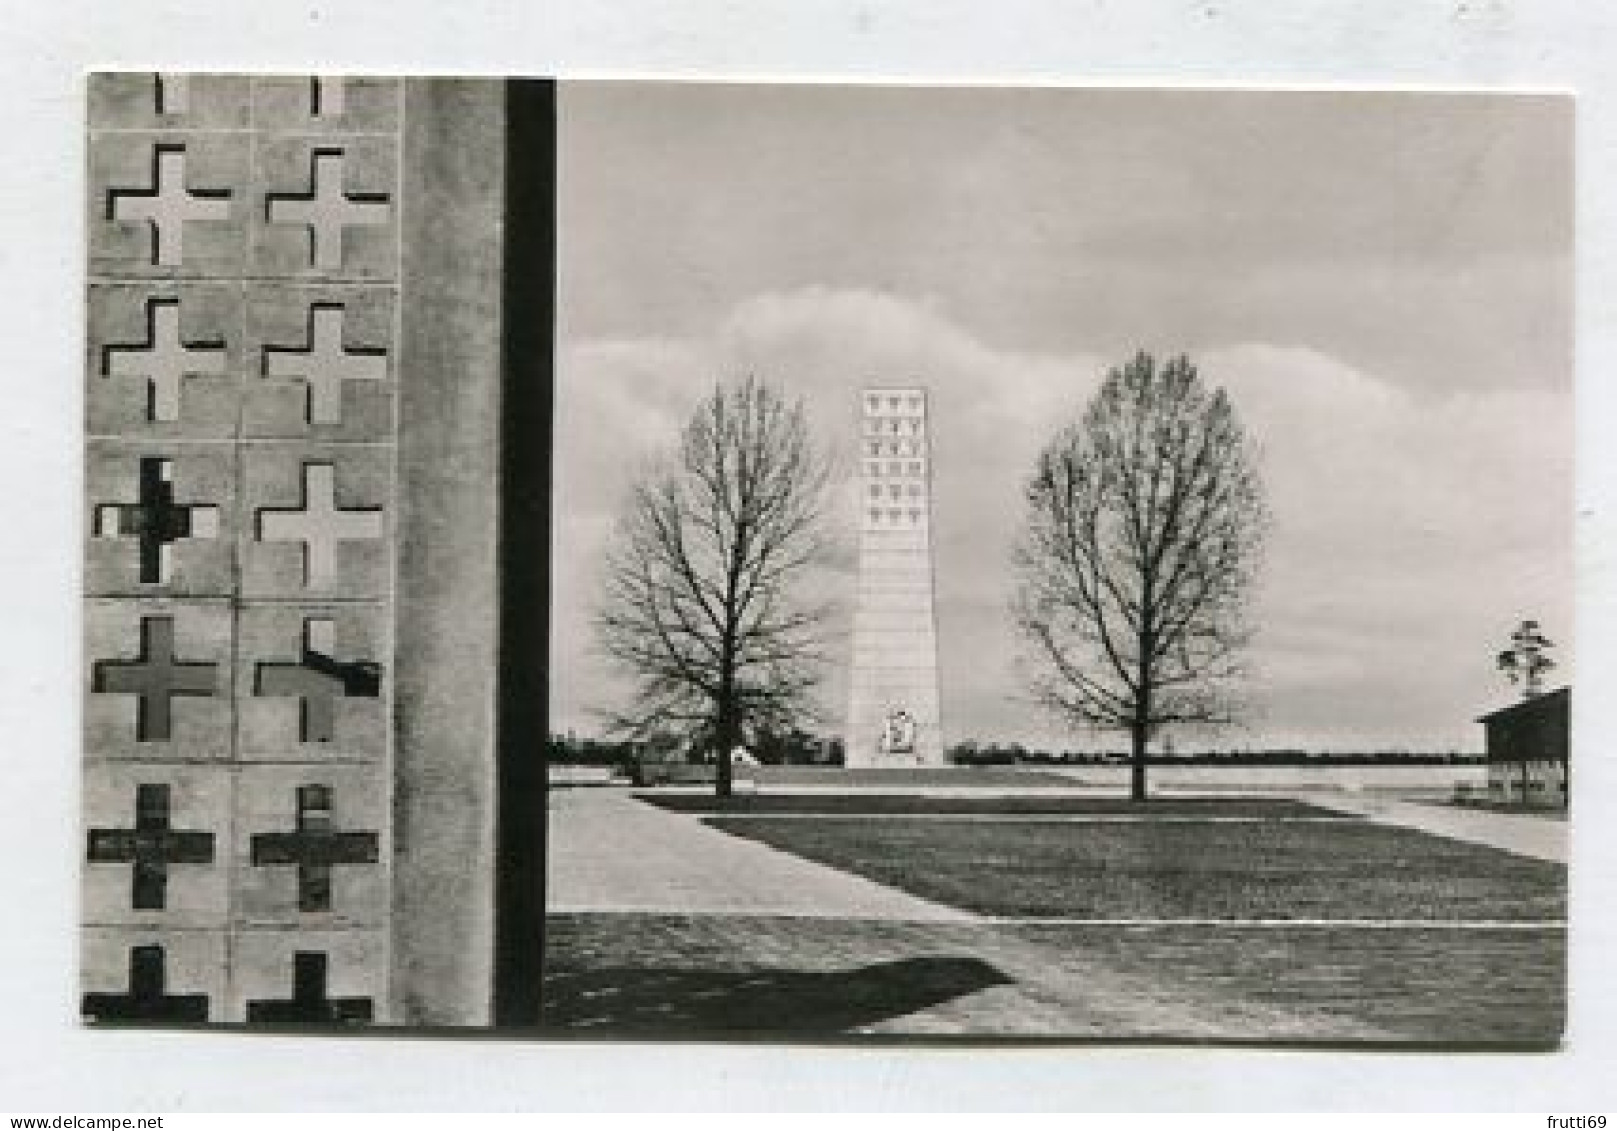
[292,383]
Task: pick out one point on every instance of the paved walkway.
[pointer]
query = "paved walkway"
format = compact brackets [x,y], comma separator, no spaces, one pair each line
[1542,838]
[609,852]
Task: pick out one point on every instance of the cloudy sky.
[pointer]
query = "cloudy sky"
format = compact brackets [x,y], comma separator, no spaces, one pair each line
[1383,282]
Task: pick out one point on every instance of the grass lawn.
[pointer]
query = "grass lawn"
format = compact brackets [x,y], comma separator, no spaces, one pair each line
[694,975]
[1177,869]
[876,804]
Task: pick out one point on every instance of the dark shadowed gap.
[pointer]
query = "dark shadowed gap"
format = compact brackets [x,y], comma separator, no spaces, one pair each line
[527,343]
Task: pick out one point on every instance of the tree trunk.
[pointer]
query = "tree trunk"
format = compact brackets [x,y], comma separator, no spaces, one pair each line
[723,782]
[726,735]
[1137,732]
[1140,731]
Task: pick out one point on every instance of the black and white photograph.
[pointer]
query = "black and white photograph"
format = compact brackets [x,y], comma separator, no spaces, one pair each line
[1061,563]
[617,559]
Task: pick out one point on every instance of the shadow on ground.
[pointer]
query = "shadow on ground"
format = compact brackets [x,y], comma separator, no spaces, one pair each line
[691,1002]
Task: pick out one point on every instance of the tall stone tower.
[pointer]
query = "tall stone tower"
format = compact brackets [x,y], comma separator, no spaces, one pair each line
[893,717]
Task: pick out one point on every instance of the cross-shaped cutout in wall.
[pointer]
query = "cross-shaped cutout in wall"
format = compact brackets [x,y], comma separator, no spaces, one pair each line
[147,998]
[151,846]
[172,93]
[155,520]
[327,97]
[164,360]
[320,524]
[309,1002]
[168,205]
[324,363]
[327,210]
[314,848]
[318,680]
[156,677]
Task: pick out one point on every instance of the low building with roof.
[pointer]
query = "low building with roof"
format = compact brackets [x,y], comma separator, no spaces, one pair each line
[1528,745]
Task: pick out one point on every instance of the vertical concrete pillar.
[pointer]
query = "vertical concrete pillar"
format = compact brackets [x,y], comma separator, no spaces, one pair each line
[446,644]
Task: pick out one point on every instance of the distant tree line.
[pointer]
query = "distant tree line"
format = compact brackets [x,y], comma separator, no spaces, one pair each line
[793,748]
[972,753]
[800,748]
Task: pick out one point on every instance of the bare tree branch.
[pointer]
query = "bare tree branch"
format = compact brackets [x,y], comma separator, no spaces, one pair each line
[697,597]
[1145,529]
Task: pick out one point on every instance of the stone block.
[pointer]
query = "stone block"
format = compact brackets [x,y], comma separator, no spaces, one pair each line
[157,851]
[161,519]
[314,866]
[144,100]
[347,985]
[176,976]
[308,104]
[157,679]
[328,208]
[322,363]
[163,360]
[168,204]
[283,714]
[316,520]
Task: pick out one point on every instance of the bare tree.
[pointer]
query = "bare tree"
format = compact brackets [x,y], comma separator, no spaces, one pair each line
[699,604]
[1144,531]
